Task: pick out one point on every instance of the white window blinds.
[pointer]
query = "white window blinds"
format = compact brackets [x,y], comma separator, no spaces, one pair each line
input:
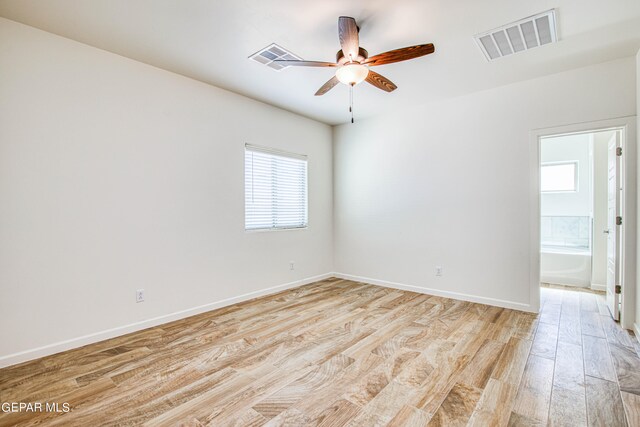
[275,188]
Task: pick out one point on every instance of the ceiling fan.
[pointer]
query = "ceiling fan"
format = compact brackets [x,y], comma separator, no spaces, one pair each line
[353,61]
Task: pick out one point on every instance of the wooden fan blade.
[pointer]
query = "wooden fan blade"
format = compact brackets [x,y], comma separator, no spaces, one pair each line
[328,86]
[401,54]
[348,35]
[306,63]
[380,82]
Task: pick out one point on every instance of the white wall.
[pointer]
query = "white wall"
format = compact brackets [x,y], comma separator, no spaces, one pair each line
[115,175]
[568,148]
[449,184]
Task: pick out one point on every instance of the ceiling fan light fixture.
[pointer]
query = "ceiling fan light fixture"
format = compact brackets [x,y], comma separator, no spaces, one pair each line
[352,74]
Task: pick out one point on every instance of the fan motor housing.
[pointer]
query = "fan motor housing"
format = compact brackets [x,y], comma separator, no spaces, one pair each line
[362,55]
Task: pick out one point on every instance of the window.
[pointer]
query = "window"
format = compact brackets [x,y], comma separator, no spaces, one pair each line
[559,177]
[275,189]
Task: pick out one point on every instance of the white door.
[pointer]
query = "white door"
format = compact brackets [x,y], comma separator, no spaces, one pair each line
[613,229]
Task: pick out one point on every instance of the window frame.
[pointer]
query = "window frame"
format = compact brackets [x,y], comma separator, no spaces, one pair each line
[576,176]
[281,153]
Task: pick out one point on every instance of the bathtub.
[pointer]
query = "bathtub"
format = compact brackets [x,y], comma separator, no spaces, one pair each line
[565,267]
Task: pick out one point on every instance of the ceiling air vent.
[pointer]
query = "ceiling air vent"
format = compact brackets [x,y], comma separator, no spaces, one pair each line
[518,36]
[271,53]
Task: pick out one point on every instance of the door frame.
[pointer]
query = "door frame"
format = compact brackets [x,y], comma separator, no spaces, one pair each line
[627,125]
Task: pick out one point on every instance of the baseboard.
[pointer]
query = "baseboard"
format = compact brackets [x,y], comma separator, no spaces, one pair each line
[597,287]
[566,281]
[636,330]
[47,350]
[440,293]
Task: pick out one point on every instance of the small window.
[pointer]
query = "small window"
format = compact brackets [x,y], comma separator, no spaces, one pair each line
[559,177]
[275,189]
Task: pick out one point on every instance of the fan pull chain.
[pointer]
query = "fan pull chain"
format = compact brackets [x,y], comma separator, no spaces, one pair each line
[351,101]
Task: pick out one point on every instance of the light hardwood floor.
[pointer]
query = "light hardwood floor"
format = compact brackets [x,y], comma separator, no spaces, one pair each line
[340,353]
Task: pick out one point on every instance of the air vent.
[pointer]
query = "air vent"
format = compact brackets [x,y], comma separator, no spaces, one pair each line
[519,36]
[271,53]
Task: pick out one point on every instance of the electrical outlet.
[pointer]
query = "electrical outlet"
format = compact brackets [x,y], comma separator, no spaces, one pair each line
[438,270]
[291,265]
[140,295]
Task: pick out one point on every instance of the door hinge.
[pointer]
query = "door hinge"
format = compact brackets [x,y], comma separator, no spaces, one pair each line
[619,151]
[618,289]
[618,220]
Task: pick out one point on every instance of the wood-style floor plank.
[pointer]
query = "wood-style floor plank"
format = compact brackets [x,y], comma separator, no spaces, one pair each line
[569,329]
[342,353]
[615,334]
[409,416]
[550,313]
[495,405]
[631,404]
[627,366]
[604,403]
[534,395]
[597,359]
[588,302]
[512,361]
[546,340]
[568,408]
[591,324]
[569,367]
[457,406]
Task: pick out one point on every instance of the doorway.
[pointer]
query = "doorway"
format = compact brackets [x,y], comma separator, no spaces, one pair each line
[580,240]
[579,204]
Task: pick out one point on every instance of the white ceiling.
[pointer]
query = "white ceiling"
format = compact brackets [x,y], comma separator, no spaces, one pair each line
[210,40]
